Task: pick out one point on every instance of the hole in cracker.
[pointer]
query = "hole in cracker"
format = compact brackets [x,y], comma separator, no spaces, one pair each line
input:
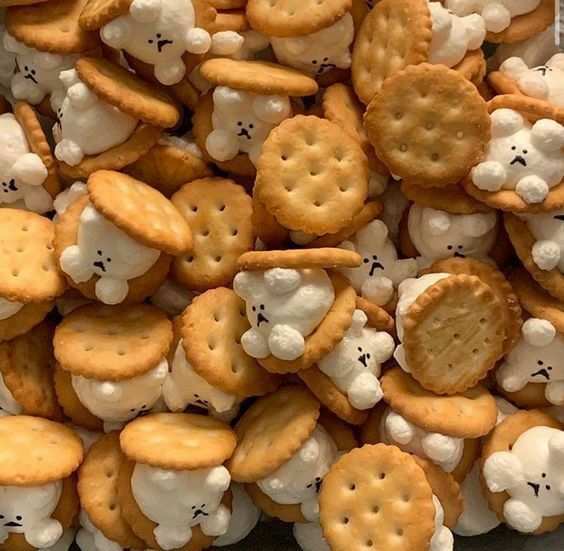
[352,487]
[121,352]
[482,321]
[343,188]
[460,134]
[375,509]
[317,203]
[221,208]
[398,115]
[189,258]
[434,157]
[406,498]
[205,233]
[429,125]
[194,208]
[369,543]
[49,247]
[382,476]
[88,348]
[145,337]
[403,147]
[234,232]
[20,249]
[313,173]
[217,259]
[212,345]
[45,268]
[216,317]
[25,228]
[113,506]
[399,532]
[109,474]
[475,350]
[450,366]
[487,340]
[456,336]
[345,520]
[284,158]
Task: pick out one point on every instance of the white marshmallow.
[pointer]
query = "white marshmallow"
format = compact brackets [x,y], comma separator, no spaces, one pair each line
[9,308]
[310,536]
[8,404]
[548,230]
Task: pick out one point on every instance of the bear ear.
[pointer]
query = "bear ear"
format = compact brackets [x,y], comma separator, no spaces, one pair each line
[505,122]
[477,225]
[13,46]
[46,60]
[280,281]
[538,332]
[218,479]
[296,45]
[164,479]
[556,61]
[374,233]
[440,17]
[547,135]
[556,447]
[514,67]
[90,216]
[271,109]
[225,96]
[309,452]
[145,11]
[244,283]
[436,222]
[69,78]
[107,390]
[359,320]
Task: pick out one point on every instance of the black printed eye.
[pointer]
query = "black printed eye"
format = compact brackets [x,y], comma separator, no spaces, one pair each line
[366,260]
[550,368]
[368,356]
[540,362]
[547,487]
[26,68]
[450,247]
[359,348]
[159,35]
[193,507]
[459,247]
[251,126]
[254,308]
[150,41]
[325,59]
[314,61]
[18,517]
[99,253]
[239,123]
[262,306]
[543,475]
[525,151]
[203,505]
[33,71]
[513,147]
[108,259]
[132,410]
[1,517]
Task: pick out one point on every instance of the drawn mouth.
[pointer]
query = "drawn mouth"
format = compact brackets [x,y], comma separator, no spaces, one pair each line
[13,525]
[317,485]
[535,487]
[100,264]
[542,70]
[244,132]
[30,77]
[199,512]
[542,372]
[161,44]
[143,412]
[201,403]
[375,266]
[324,67]
[518,159]
[260,319]
[559,217]
[362,360]
[459,255]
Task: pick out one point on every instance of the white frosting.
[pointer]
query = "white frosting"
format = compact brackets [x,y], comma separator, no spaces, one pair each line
[87,125]
[283,307]
[120,401]
[244,517]
[438,234]
[22,172]
[299,479]
[184,386]
[9,308]
[521,157]
[497,14]
[380,272]
[354,364]
[27,510]
[241,122]
[104,250]
[395,204]
[453,36]
[179,500]
[7,62]
[171,298]
[89,538]
[310,536]
[318,52]
[532,473]
[442,539]
[8,404]
[548,230]
[445,451]
[68,196]
[537,358]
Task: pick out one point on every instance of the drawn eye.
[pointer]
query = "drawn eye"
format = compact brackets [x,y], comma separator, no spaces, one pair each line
[540,362]
[525,151]
[543,475]
[193,507]
[262,306]
[325,59]
[108,259]
[359,348]
[314,61]
[18,517]
[459,247]
[366,260]
[150,41]
[549,368]
[368,356]
[239,123]
[450,247]
[1,516]
[547,487]
[513,148]
[99,253]
[159,35]
[251,126]
[254,308]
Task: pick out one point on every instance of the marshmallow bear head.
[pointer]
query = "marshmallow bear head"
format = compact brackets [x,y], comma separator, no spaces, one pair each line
[381,271]
[545,82]
[548,230]
[242,121]
[7,62]
[522,157]
[104,250]
[27,510]
[453,36]
[532,473]
[22,173]
[283,306]
[438,234]
[354,364]
[158,32]
[318,52]
[85,124]
[537,358]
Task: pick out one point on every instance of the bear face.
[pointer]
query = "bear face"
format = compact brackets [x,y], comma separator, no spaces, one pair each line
[299,479]
[532,473]
[319,52]
[438,234]
[104,250]
[354,364]
[453,36]
[548,230]
[27,510]
[522,157]
[179,500]
[283,306]
[85,124]
[241,122]
[8,404]
[381,271]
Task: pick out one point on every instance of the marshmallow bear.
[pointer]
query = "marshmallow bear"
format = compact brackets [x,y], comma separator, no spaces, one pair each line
[7,63]
[532,473]
[319,52]
[537,358]
[354,364]
[89,538]
[283,306]
[453,36]
[38,74]
[380,271]
[85,124]
[179,500]
[445,451]
[525,158]
[442,539]
[117,402]
[8,404]
[438,234]
[299,479]
[27,510]
[309,536]
[548,230]
[104,250]
[544,82]
[497,14]
[22,172]
[242,121]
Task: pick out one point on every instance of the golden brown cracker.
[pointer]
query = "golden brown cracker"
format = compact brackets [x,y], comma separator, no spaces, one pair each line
[96,13]
[473,66]
[532,108]
[378,318]
[342,433]
[285,512]
[267,228]
[470,454]
[532,395]
[327,257]
[28,317]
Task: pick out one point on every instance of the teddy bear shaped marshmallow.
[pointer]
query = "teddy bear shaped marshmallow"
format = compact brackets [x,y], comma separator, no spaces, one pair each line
[537,358]
[453,36]
[438,234]
[319,52]
[497,14]
[104,250]
[22,172]
[86,125]
[544,82]
[299,479]
[381,271]
[354,364]
[522,157]
[548,230]
[532,473]
[7,63]
[241,122]
[89,538]
[283,307]
[27,510]
[179,500]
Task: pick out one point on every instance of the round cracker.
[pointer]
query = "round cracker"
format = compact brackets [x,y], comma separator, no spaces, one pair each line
[290,512]
[376,497]
[28,317]
[342,433]
[140,211]
[36,451]
[178,441]
[378,318]
[470,414]
[112,343]
[96,13]
[328,257]
[267,228]
[470,453]
[473,66]
[271,431]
